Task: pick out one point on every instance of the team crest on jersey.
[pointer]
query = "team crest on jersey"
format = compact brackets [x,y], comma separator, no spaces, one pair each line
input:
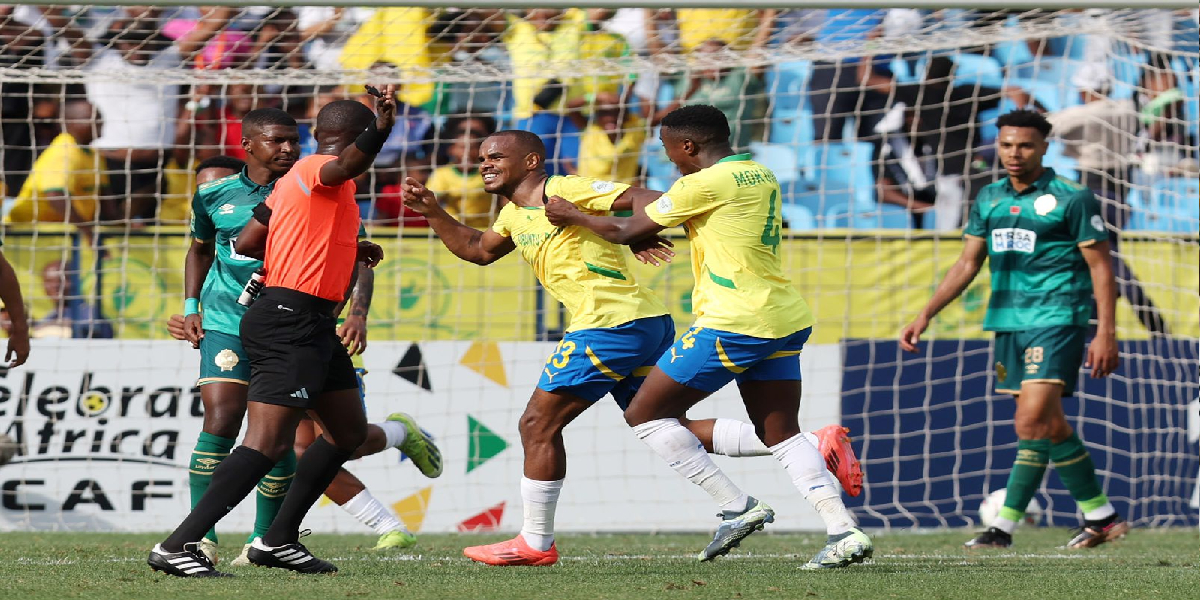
[603,187]
[226,360]
[1097,223]
[1044,204]
[1001,372]
[664,204]
[226,209]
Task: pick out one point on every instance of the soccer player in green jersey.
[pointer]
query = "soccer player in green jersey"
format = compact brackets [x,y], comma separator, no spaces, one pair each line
[1048,250]
[751,325]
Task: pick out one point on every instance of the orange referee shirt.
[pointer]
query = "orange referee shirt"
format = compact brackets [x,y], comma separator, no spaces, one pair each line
[312,242]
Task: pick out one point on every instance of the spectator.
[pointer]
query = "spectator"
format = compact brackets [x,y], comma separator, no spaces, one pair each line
[475,48]
[1100,134]
[71,316]
[459,185]
[611,143]
[21,47]
[396,35]
[735,28]
[735,91]
[1167,147]
[240,98]
[325,29]
[140,109]
[945,130]
[835,86]
[66,181]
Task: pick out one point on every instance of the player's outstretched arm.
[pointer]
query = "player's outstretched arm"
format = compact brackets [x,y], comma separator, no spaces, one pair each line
[467,243]
[957,279]
[199,260]
[10,292]
[356,158]
[618,230]
[1102,354]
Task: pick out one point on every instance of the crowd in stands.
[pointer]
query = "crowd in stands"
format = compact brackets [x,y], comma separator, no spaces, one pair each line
[888,140]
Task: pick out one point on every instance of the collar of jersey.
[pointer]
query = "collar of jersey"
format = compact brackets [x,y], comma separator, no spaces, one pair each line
[1041,184]
[254,187]
[735,157]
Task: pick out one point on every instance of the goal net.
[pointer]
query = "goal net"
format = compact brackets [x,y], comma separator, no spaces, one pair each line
[879,125]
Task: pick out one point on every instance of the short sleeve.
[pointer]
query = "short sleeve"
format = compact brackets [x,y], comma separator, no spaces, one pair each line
[307,172]
[501,224]
[596,195]
[976,227]
[203,228]
[1084,220]
[52,171]
[683,201]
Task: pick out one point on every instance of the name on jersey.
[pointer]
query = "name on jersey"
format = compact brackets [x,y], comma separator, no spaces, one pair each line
[1012,239]
[533,239]
[752,177]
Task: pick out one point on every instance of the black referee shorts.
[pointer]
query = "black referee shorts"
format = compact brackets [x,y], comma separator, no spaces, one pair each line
[295,355]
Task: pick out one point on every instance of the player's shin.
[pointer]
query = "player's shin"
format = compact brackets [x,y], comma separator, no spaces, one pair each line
[1023,482]
[231,482]
[271,491]
[541,500]
[314,472]
[736,439]
[209,452]
[684,453]
[1078,473]
[804,463]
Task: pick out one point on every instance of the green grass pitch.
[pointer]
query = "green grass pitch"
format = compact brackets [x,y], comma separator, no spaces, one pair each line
[1147,564]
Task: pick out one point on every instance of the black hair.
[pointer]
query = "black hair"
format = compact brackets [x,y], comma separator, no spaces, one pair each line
[526,142]
[1025,118]
[259,118]
[702,123]
[454,123]
[344,117]
[221,162]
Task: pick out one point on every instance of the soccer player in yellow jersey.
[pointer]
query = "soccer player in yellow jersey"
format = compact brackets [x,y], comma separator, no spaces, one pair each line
[751,324]
[616,333]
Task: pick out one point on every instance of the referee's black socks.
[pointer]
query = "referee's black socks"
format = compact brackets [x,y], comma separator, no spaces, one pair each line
[314,473]
[232,481]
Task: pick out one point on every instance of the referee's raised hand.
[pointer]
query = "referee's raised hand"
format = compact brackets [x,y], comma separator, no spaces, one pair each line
[385,107]
[369,253]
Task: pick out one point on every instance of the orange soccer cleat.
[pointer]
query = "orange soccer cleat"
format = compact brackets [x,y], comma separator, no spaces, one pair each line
[512,553]
[840,458]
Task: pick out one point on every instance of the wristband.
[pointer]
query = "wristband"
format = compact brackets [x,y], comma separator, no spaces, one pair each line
[191,306]
[371,140]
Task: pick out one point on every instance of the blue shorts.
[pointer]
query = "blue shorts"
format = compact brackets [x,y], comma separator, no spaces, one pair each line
[590,363]
[707,359]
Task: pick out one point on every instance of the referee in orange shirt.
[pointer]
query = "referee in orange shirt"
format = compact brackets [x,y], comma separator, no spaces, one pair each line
[307,232]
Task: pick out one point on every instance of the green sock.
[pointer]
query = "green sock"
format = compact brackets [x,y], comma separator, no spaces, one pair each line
[1077,471]
[209,452]
[271,490]
[1025,478]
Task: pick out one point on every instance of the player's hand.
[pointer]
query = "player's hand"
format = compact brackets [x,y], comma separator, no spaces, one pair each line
[385,107]
[193,329]
[561,213]
[653,249]
[175,327]
[418,197]
[1102,355]
[18,347]
[369,253]
[910,336]
[353,333]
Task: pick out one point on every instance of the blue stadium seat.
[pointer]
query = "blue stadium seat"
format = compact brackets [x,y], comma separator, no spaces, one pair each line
[882,216]
[781,159]
[844,167]
[809,195]
[660,172]
[798,218]
[1064,166]
[1013,53]
[976,68]
[791,119]
[1047,94]
[1048,68]
[1173,206]
[1127,70]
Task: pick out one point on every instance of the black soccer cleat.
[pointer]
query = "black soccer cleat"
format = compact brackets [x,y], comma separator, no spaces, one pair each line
[992,538]
[189,563]
[293,557]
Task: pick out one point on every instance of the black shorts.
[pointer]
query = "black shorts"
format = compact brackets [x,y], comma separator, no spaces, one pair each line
[295,355]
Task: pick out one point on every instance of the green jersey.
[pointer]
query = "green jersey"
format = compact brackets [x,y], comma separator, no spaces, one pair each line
[1039,276]
[220,209]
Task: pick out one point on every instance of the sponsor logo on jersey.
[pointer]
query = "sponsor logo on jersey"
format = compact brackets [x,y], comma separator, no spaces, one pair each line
[1013,239]
[225,209]
[603,187]
[1044,204]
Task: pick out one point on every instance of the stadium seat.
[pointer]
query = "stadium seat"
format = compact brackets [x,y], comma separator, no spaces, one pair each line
[1050,69]
[882,216]
[1127,70]
[976,68]
[1063,165]
[798,218]
[1172,206]
[1012,53]
[787,83]
[844,167]
[781,159]
[1047,94]
[809,195]
[660,172]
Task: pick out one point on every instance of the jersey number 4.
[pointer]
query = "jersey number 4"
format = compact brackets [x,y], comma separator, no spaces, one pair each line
[770,235]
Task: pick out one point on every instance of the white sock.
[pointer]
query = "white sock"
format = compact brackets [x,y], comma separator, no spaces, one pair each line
[371,512]
[541,499]
[394,432]
[1006,525]
[1099,514]
[684,453]
[804,464]
[737,439]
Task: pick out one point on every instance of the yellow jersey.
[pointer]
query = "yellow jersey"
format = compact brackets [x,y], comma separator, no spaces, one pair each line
[579,269]
[731,213]
[64,166]
[600,158]
[733,26]
[463,195]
